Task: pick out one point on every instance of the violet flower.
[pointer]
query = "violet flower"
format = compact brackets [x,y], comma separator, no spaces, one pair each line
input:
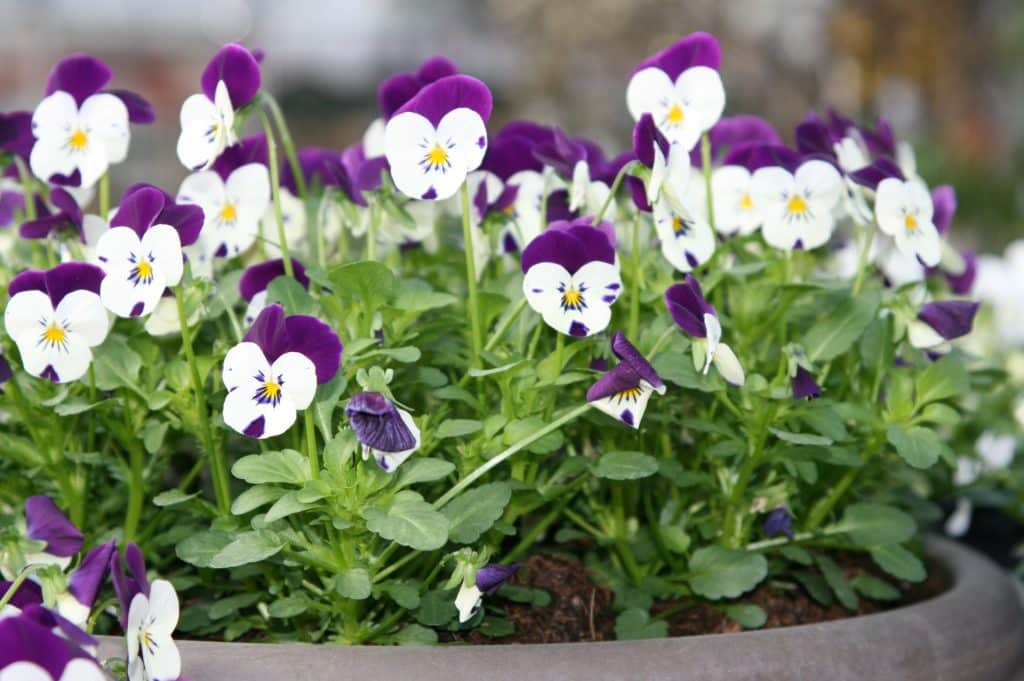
[126,585]
[386,433]
[275,370]
[624,391]
[84,584]
[16,136]
[940,322]
[698,318]
[779,521]
[255,280]
[804,385]
[68,215]
[489,579]
[396,90]
[31,650]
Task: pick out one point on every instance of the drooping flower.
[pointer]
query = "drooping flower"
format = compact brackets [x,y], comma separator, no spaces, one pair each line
[31,651]
[940,322]
[779,521]
[624,391]
[571,279]
[84,584]
[46,523]
[80,130]
[489,579]
[668,163]
[436,138]
[804,385]
[141,253]
[797,203]
[67,216]
[126,586]
[152,653]
[680,87]
[56,317]
[698,318]
[234,195]
[229,82]
[386,432]
[255,280]
[275,370]
[903,210]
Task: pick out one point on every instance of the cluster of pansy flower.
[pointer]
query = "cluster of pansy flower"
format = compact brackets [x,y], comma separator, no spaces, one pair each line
[47,608]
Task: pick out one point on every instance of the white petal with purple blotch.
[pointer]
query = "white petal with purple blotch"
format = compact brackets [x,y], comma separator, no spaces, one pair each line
[152,653]
[137,270]
[576,305]
[207,128]
[293,216]
[429,163]
[259,390]
[686,242]
[629,405]
[903,210]
[682,110]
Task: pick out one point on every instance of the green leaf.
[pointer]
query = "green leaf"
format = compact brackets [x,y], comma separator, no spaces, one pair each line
[419,470]
[115,364]
[403,593]
[406,354]
[457,428]
[815,585]
[524,594]
[289,606]
[625,466]
[153,436]
[801,438]
[291,294]
[870,524]
[231,605]
[747,615]
[524,428]
[414,635]
[826,421]
[172,497]
[480,373]
[287,505]
[354,583]
[326,401]
[248,547]
[472,513]
[201,548]
[836,579]
[408,520]
[254,497]
[368,282]
[717,572]
[413,299]
[634,624]
[942,379]
[920,447]
[899,562]
[437,608]
[797,555]
[286,466]
[874,588]
[836,333]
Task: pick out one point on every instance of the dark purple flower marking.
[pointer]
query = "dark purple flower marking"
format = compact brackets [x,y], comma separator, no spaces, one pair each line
[626,376]
[377,423]
[82,75]
[732,132]
[16,135]
[687,305]
[24,639]
[804,385]
[58,624]
[28,593]
[238,68]
[586,221]
[755,156]
[572,248]
[252,149]
[257,277]
[511,150]
[779,521]
[144,205]
[647,137]
[880,169]
[87,579]
[961,284]
[696,49]
[949,318]
[277,334]
[58,281]
[944,207]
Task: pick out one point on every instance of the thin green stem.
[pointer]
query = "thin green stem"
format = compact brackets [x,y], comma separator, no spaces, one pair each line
[26,188]
[275,191]
[623,171]
[105,194]
[497,460]
[705,159]
[135,493]
[476,334]
[499,332]
[863,264]
[797,538]
[371,231]
[286,141]
[311,450]
[634,294]
[218,471]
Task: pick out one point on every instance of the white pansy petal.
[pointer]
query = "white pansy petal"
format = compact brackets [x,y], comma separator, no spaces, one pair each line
[241,410]
[713,332]
[541,284]
[889,203]
[204,188]
[373,138]
[116,246]
[72,361]
[24,671]
[600,285]
[55,116]
[926,243]
[735,209]
[92,162]
[728,365]
[82,669]
[250,185]
[136,669]
[467,130]
[701,88]
[163,321]
[35,356]
[222,99]
[678,169]
[771,186]
[24,312]
[242,363]
[85,315]
[467,601]
[50,157]
[163,244]
[658,172]
[128,295]
[197,109]
[647,91]
[163,608]
[197,149]
[162,660]
[299,377]
[93,228]
[628,407]
[923,336]
[821,184]
[105,116]
[408,137]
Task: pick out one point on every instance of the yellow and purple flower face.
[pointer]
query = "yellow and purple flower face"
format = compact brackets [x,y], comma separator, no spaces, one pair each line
[623,392]
[904,211]
[797,202]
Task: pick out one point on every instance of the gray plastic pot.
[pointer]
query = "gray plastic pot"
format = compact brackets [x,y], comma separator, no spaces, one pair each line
[974,632]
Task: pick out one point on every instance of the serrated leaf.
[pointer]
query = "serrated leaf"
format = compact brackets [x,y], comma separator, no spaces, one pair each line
[368,282]
[625,466]
[408,520]
[403,593]
[473,512]
[411,299]
[718,572]
[815,585]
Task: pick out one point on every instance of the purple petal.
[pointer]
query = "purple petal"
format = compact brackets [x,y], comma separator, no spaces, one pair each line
[618,379]
[252,149]
[629,355]
[66,204]
[29,280]
[72,276]
[509,154]
[187,219]
[40,228]
[127,586]
[696,49]
[645,136]
[449,93]
[779,521]
[24,639]
[436,68]
[814,137]
[608,170]
[587,222]
[880,141]
[880,169]
[87,579]
[45,522]
[80,75]
[735,131]
[491,576]
[140,111]
[961,284]
[28,593]
[944,202]
[378,424]
[368,177]
[754,156]
[571,247]
[950,318]
[804,385]
[257,277]
[54,621]
[72,180]
[16,133]
[239,70]
[11,203]
[5,371]
[139,209]
[560,152]
[638,192]
[839,123]
[687,305]
[277,334]
[394,91]
[558,206]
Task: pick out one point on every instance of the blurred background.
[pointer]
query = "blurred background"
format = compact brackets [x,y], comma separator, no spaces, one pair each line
[948,73]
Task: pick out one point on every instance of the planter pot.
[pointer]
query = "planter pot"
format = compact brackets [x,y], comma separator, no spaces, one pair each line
[974,631]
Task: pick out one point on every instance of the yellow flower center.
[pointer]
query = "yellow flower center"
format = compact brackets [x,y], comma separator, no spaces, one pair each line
[675,115]
[746,203]
[571,298]
[437,156]
[797,205]
[629,394]
[78,140]
[54,334]
[228,213]
[678,225]
[271,390]
[910,221]
[144,270]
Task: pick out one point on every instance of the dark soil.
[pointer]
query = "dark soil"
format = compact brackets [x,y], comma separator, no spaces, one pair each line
[581,609]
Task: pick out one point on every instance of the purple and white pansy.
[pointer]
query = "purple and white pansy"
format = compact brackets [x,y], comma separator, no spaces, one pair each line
[668,164]
[623,392]
[84,584]
[386,432]
[939,322]
[44,522]
[81,130]
[698,318]
[275,370]
[56,317]
[681,88]
[234,195]
[141,253]
[439,136]
[571,279]
[30,650]
[152,618]
[255,280]
[488,579]
[904,211]
[230,81]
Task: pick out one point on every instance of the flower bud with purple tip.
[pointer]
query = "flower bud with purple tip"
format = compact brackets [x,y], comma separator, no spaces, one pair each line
[779,521]
[489,579]
[387,433]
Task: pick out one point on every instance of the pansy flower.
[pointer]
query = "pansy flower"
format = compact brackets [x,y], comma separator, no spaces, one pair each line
[995,453]
[56,317]
[396,90]
[152,618]
[128,584]
[939,322]
[16,137]
[436,138]
[67,216]
[624,391]
[234,196]
[45,522]
[275,370]
[582,164]
[779,521]
[386,432]
[846,150]
[680,87]
[904,211]
[488,579]
[31,651]
[571,279]
[511,160]
[796,200]
[79,129]
[84,584]
[803,384]
[255,280]
[668,164]
[142,251]
[698,318]
[230,81]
